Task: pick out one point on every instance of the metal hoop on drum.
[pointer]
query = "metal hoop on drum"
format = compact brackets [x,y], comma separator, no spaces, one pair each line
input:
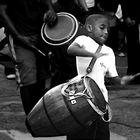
[62,32]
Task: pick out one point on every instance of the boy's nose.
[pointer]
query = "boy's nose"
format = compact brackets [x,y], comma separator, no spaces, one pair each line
[106,31]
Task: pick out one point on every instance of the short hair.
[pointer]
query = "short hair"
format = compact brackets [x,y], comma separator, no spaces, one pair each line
[94,17]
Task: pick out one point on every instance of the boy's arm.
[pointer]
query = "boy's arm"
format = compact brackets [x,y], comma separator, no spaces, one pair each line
[6,21]
[76,50]
[125,80]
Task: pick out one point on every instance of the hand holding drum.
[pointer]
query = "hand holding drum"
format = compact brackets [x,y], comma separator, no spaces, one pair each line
[57,35]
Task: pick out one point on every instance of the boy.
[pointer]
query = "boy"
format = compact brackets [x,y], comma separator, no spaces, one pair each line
[84,48]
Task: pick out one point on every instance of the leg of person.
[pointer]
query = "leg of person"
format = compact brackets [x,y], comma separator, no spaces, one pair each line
[32,89]
[87,134]
[97,131]
[102,130]
[30,95]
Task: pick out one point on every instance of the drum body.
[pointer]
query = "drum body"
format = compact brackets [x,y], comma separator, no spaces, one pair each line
[56,114]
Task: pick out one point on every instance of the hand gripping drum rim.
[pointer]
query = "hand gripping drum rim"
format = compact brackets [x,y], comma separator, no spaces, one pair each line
[59,35]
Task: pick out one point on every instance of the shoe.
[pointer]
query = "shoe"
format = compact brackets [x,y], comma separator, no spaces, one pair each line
[11,76]
[121,54]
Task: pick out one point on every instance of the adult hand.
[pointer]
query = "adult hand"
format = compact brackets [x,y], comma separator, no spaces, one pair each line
[50,17]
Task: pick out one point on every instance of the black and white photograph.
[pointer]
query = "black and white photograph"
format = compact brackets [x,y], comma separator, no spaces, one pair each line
[69,70]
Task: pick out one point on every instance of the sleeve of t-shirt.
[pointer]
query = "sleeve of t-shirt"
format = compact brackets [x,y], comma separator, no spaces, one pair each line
[86,43]
[79,40]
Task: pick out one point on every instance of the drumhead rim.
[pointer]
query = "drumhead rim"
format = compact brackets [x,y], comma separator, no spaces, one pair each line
[59,42]
[45,27]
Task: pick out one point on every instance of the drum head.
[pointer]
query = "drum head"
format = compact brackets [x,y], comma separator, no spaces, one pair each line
[62,32]
[98,97]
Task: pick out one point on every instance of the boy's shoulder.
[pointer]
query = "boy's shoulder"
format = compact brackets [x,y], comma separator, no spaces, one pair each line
[82,36]
[107,49]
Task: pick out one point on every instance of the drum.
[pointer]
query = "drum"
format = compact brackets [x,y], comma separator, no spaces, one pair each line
[66,109]
[62,32]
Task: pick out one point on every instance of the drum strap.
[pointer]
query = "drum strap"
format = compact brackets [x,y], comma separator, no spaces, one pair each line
[89,70]
[90,67]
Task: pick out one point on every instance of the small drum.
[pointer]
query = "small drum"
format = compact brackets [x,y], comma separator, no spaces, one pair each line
[66,109]
[62,32]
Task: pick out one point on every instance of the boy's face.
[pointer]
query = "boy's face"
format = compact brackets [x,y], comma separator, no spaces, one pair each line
[100,29]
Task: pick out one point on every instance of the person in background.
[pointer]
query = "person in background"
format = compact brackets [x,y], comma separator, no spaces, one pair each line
[130,11]
[84,48]
[23,20]
[122,49]
[9,71]
[111,8]
[79,8]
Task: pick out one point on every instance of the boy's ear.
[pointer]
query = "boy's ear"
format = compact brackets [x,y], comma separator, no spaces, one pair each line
[89,27]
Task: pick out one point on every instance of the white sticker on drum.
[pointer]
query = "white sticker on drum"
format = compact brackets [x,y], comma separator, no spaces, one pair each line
[73,102]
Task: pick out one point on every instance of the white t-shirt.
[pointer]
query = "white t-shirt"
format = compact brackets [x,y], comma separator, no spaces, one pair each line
[104,66]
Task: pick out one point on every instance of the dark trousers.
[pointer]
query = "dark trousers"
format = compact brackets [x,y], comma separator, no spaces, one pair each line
[31,94]
[97,131]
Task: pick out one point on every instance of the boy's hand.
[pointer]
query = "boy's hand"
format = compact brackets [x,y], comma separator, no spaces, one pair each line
[129,79]
[126,79]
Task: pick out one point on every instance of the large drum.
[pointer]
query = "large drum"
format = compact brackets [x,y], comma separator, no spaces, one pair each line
[67,108]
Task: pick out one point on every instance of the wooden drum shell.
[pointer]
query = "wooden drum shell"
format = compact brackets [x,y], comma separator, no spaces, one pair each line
[54,115]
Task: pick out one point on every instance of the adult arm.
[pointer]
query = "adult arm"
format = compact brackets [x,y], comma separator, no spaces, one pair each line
[49,16]
[82,4]
[7,21]
[10,27]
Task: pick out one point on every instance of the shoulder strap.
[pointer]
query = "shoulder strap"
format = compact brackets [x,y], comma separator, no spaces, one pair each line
[92,62]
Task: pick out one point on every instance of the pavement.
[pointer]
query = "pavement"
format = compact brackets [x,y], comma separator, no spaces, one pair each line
[17,135]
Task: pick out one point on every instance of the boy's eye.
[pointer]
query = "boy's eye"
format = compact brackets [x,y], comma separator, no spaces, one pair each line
[102,27]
